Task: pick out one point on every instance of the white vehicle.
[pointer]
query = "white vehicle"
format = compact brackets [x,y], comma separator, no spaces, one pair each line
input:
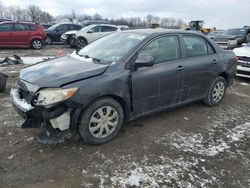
[243,54]
[91,33]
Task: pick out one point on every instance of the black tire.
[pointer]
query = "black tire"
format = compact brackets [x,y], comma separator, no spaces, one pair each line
[3,80]
[86,124]
[36,44]
[49,40]
[72,42]
[81,42]
[215,97]
[248,38]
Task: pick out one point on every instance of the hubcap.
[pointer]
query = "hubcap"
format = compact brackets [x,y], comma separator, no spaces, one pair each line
[37,44]
[218,91]
[103,122]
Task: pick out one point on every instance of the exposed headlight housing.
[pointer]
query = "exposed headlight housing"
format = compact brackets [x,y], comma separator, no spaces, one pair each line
[232,42]
[51,96]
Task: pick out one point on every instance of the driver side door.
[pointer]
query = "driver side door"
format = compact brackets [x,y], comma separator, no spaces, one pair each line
[93,34]
[157,87]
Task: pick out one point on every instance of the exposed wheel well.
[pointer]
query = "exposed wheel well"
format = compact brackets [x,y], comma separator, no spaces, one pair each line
[83,39]
[224,75]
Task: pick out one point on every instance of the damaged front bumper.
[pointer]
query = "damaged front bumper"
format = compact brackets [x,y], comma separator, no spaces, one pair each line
[58,116]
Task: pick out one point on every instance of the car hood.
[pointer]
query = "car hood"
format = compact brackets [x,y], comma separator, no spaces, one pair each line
[227,37]
[61,71]
[242,52]
[73,32]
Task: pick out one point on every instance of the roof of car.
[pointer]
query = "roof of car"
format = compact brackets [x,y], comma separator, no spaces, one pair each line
[155,31]
[22,22]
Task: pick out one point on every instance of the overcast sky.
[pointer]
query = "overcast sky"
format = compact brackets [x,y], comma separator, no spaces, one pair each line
[218,13]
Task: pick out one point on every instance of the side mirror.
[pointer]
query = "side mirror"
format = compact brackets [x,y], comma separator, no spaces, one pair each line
[144,61]
[90,31]
[243,44]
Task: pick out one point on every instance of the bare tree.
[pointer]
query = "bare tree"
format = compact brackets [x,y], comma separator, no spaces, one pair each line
[2,8]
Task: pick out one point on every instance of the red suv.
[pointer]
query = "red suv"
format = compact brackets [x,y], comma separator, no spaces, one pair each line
[21,34]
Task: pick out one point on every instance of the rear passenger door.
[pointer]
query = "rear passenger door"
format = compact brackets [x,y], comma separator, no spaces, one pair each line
[21,34]
[199,68]
[158,87]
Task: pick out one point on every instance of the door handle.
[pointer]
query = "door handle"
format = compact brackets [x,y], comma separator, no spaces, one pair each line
[180,68]
[214,61]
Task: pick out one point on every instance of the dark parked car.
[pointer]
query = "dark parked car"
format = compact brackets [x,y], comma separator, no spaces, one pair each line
[21,34]
[122,76]
[46,26]
[54,32]
[233,38]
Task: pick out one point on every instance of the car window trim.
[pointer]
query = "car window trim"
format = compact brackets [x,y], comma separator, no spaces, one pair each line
[161,36]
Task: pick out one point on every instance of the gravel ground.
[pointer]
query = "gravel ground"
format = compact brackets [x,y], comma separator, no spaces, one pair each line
[191,146]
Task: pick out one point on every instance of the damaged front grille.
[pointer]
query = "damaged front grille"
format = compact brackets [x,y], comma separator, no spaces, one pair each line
[26,90]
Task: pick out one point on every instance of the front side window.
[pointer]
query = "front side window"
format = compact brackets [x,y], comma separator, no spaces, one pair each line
[62,28]
[162,49]
[6,27]
[96,29]
[197,46]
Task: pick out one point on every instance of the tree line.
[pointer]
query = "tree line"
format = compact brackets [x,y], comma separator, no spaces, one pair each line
[35,14]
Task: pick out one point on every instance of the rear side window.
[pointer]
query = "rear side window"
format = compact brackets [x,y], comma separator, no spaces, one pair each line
[108,29]
[163,49]
[20,27]
[6,27]
[197,46]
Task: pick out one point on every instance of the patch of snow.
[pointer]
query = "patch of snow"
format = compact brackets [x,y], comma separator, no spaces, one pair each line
[244,84]
[33,60]
[11,157]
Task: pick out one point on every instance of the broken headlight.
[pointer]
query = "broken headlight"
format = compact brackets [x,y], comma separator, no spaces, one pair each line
[53,95]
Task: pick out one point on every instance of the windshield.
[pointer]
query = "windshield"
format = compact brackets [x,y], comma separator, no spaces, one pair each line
[237,32]
[53,27]
[112,47]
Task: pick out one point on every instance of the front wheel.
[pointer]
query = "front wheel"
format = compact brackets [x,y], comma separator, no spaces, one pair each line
[216,92]
[37,44]
[101,122]
[80,43]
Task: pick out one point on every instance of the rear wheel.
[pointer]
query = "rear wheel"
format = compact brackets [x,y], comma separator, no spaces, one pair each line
[101,122]
[48,40]
[37,44]
[216,92]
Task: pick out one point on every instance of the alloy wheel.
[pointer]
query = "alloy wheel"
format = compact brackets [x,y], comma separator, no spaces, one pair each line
[37,44]
[218,91]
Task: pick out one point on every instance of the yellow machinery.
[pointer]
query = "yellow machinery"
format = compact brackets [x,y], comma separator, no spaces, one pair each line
[197,25]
